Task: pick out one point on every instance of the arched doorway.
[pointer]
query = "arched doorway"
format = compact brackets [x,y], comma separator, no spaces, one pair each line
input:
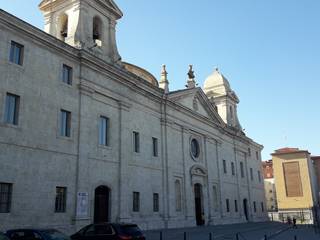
[245,209]
[198,204]
[101,204]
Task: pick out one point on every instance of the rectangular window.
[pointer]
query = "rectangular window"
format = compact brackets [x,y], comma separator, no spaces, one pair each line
[241,169]
[61,199]
[65,123]
[259,176]
[155,147]
[257,155]
[5,197]
[67,74]
[262,207]
[16,53]
[224,166]
[251,174]
[254,207]
[156,202]
[233,169]
[136,142]
[103,131]
[227,205]
[11,114]
[235,205]
[136,202]
[249,152]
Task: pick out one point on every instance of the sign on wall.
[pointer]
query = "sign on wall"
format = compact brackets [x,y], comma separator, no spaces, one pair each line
[82,204]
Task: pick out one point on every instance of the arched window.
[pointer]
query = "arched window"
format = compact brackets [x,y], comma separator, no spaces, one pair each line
[178,196]
[63,23]
[97,31]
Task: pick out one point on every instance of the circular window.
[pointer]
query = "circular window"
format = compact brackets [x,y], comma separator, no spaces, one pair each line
[195,148]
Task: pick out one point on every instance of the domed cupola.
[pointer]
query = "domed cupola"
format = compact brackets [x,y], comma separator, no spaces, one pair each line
[217,87]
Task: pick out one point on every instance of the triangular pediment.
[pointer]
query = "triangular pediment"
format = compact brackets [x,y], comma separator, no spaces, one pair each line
[196,100]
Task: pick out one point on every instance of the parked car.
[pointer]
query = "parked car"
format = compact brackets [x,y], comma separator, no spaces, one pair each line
[3,236]
[109,231]
[36,234]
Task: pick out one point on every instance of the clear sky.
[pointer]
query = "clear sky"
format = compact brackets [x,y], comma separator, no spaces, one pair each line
[268,49]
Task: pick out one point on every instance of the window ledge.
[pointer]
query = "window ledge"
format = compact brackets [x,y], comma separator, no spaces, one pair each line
[105,147]
[69,139]
[8,125]
[66,84]
[17,66]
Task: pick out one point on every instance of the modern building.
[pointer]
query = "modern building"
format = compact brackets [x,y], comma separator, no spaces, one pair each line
[269,186]
[296,183]
[86,137]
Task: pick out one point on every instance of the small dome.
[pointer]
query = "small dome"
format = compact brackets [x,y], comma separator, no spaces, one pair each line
[217,83]
[142,73]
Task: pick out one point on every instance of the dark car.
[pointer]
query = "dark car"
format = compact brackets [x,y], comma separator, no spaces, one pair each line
[109,231]
[36,234]
[3,236]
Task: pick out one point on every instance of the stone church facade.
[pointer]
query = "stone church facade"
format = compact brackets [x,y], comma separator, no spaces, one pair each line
[86,137]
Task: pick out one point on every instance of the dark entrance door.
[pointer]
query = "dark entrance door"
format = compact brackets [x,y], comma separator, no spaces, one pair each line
[101,204]
[198,204]
[245,209]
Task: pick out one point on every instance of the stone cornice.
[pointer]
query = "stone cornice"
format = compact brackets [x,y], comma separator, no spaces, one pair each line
[113,71]
[27,30]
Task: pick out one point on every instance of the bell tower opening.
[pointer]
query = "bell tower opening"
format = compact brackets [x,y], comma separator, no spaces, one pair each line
[97,31]
[63,27]
[84,24]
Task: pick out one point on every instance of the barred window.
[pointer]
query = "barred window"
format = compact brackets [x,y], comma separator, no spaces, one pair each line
[11,114]
[155,147]
[156,202]
[251,174]
[242,169]
[233,169]
[103,131]
[262,207]
[224,163]
[16,53]
[136,202]
[61,199]
[227,205]
[235,205]
[136,142]
[5,197]
[259,176]
[65,123]
[67,74]
[254,207]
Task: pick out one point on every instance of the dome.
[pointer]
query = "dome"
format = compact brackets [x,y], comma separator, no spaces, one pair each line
[217,83]
[142,73]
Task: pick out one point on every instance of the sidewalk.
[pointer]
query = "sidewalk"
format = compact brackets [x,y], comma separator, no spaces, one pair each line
[250,231]
[302,233]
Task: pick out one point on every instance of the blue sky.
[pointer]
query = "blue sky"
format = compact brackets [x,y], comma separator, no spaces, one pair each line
[268,49]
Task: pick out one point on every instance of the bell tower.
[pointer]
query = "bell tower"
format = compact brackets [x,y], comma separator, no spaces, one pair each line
[84,24]
[217,88]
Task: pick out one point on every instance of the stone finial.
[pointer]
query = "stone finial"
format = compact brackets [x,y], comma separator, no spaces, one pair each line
[191,81]
[164,83]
